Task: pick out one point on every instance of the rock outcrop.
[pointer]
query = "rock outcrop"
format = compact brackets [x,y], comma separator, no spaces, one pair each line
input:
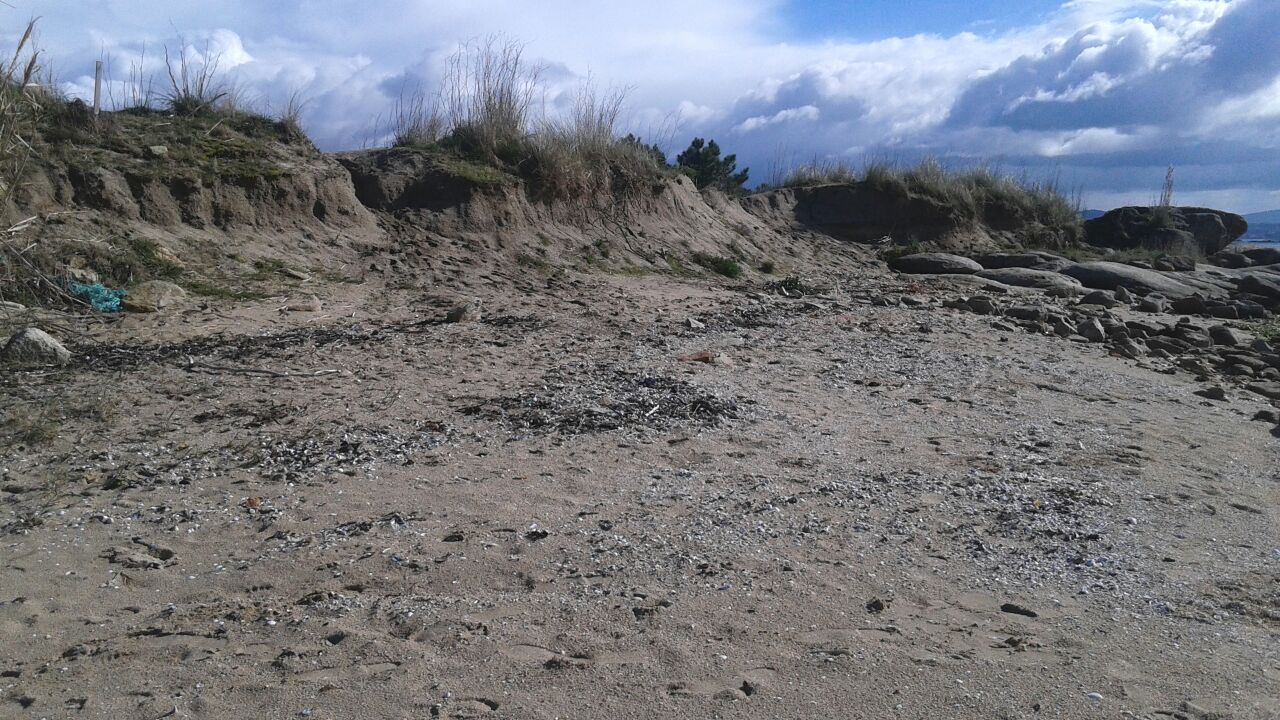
[1171,229]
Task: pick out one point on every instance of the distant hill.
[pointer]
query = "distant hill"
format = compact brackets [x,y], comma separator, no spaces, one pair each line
[1263,226]
[1091,214]
[1270,217]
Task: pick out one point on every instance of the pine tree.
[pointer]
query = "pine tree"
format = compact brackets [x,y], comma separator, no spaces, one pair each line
[708,169]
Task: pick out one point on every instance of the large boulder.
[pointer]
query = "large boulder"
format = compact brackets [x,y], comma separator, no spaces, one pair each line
[1262,255]
[1256,284]
[33,346]
[1032,260]
[1171,229]
[1110,275]
[1026,277]
[934,264]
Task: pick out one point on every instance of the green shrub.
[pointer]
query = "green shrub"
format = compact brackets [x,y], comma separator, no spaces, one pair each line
[725,266]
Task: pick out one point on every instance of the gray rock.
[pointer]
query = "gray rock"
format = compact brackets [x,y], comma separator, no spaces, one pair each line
[1266,389]
[1193,335]
[1033,313]
[935,263]
[1130,348]
[1091,330]
[981,305]
[1123,295]
[1171,345]
[33,346]
[1262,255]
[1152,304]
[1032,260]
[1223,335]
[1027,277]
[1104,275]
[1213,392]
[1256,284]
[151,296]
[1175,263]
[1101,298]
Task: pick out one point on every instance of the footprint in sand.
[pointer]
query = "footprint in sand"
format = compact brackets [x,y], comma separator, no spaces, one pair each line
[739,687]
[537,655]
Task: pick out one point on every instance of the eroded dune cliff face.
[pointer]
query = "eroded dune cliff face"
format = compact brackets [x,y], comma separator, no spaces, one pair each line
[222,197]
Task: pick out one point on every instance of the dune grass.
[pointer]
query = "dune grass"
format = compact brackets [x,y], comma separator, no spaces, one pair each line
[977,194]
[486,110]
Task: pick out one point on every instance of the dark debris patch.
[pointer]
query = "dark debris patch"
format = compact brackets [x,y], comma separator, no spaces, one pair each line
[240,348]
[584,399]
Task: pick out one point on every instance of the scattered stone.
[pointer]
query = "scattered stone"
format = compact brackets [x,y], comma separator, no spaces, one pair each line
[708,357]
[694,324]
[468,311]
[1016,609]
[934,264]
[158,151]
[307,304]
[33,346]
[876,605]
[1124,296]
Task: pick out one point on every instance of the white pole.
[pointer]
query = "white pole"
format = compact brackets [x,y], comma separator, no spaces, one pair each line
[97,88]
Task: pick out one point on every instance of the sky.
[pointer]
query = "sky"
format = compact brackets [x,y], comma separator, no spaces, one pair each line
[1100,96]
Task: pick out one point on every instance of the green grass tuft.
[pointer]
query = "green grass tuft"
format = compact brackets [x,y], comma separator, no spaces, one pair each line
[725,266]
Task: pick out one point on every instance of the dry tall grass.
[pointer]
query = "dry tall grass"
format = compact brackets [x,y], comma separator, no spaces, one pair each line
[977,194]
[195,88]
[486,109]
[21,103]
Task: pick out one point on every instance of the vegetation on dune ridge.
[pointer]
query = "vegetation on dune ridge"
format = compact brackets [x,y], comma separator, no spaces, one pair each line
[484,112]
[976,195]
[199,131]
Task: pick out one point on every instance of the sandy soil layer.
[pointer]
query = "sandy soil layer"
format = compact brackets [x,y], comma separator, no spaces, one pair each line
[852,511]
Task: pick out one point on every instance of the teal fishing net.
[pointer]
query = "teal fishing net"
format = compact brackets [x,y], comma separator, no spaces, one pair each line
[101,297]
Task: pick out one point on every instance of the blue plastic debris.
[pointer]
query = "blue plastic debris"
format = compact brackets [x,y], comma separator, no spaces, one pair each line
[101,297]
